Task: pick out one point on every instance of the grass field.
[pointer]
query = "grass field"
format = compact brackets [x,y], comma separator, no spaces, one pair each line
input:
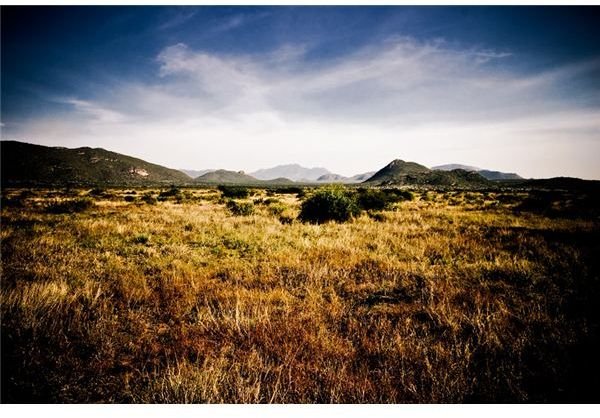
[173,297]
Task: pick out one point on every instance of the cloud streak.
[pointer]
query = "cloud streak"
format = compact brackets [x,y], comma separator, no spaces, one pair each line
[422,101]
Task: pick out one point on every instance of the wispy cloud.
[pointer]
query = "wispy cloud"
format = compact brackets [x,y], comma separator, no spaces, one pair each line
[95,113]
[238,20]
[230,23]
[177,17]
[422,101]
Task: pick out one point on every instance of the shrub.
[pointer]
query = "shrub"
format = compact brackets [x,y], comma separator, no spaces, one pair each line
[172,192]
[269,201]
[240,208]
[70,206]
[234,192]
[97,191]
[380,199]
[377,216]
[149,199]
[373,199]
[332,203]
[129,198]
[288,190]
[277,209]
[398,195]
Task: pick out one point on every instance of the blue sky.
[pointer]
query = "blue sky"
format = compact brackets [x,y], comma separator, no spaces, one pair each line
[348,88]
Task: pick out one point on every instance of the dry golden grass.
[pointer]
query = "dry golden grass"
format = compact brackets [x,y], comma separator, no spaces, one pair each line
[452,297]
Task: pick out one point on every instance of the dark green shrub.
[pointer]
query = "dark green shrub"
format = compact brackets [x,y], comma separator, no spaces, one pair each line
[380,199]
[332,203]
[70,206]
[373,199]
[398,195]
[240,208]
[172,192]
[129,198]
[377,216]
[234,192]
[149,199]
[288,190]
[509,198]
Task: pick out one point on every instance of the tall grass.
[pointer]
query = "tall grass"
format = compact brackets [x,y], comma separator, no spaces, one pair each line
[182,302]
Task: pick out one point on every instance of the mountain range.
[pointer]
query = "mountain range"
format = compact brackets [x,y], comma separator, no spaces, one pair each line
[197,173]
[286,173]
[294,172]
[488,174]
[24,164]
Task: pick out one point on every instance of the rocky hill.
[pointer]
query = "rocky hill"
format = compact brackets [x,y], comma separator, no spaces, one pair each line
[29,164]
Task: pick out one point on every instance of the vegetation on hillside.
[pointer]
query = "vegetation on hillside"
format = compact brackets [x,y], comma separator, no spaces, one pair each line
[400,172]
[28,164]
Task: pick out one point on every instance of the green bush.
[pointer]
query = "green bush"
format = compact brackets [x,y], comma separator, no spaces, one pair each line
[381,199]
[129,198]
[240,208]
[398,195]
[373,199]
[149,199]
[70,206]
[172,192]
[234,192]
[377,216]
[333,203]
[301,194]
[277,209]
[288,190]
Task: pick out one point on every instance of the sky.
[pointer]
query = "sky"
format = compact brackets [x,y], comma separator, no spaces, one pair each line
[514,89]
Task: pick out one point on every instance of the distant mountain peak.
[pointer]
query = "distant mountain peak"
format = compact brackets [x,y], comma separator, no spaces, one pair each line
[448,167]
[292,171]
[400,172]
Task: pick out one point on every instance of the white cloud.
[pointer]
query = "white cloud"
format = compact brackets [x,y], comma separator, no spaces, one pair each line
[403,99]
[177,18]
[94,112]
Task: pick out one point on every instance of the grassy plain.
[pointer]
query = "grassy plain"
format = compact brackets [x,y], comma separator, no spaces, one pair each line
[451,297]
